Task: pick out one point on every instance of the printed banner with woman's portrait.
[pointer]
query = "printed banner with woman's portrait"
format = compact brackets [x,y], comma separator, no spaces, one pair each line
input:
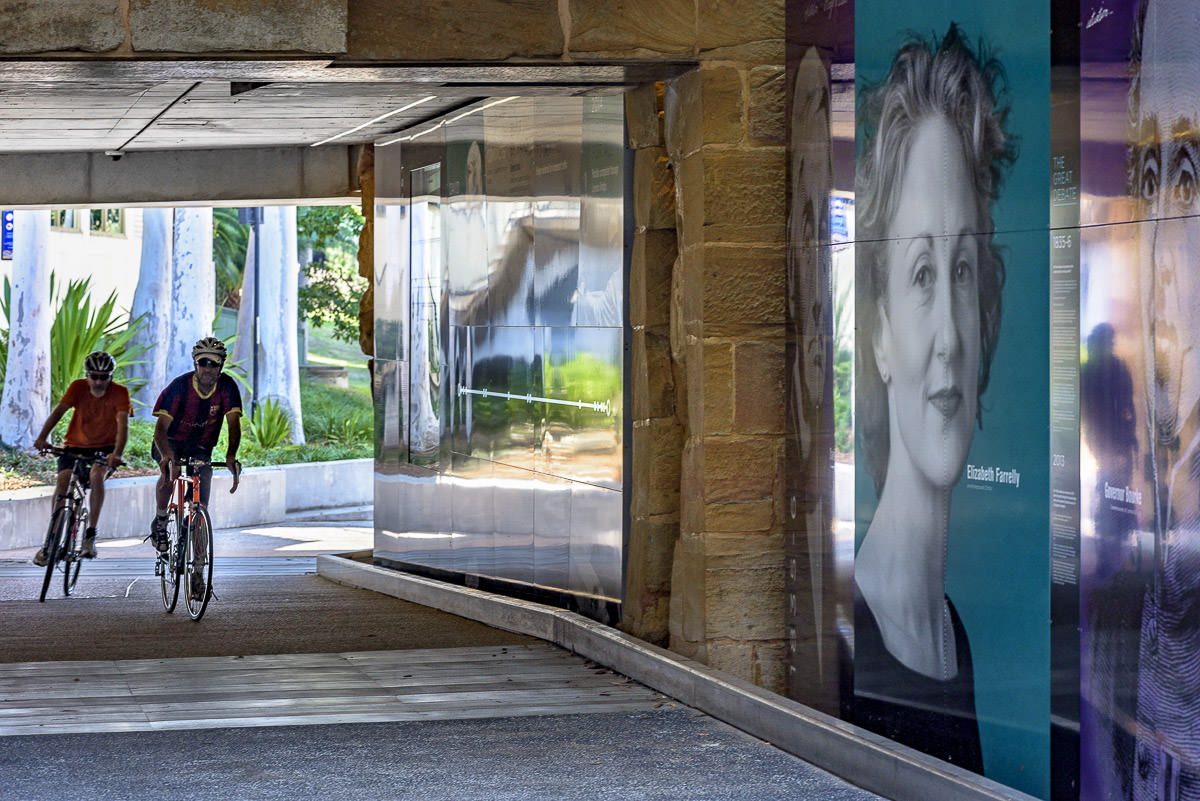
[951,280]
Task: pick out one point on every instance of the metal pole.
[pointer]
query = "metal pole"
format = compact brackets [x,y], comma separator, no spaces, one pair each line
[257,343]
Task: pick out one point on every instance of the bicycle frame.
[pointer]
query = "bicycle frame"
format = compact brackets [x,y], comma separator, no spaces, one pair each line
[65,548]
[189,555]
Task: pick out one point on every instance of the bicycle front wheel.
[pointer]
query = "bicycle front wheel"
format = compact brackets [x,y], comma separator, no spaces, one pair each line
[71,561]
[167,565]
[198,569]
[55,539]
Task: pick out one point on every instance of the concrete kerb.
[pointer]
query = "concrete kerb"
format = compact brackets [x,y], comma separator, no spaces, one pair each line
[860,757]
[265,495]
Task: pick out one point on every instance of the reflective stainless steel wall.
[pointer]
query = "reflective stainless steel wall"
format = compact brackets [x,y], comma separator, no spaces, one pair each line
[498,382]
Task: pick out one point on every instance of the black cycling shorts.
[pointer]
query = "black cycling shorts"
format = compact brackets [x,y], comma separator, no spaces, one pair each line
[205,473]
[67,460]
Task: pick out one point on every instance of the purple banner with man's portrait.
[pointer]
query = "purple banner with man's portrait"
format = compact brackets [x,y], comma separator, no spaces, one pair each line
[1140,402]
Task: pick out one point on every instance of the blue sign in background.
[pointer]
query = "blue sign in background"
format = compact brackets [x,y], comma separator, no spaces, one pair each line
[7,244]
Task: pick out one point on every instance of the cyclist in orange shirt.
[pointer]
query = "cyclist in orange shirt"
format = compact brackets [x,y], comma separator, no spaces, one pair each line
[100,423]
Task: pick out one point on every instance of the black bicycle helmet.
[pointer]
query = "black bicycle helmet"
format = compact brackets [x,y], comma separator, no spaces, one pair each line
[209,346]
[98,362]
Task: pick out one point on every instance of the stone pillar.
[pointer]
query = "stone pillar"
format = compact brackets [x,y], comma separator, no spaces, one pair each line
[724,126]
[657,424]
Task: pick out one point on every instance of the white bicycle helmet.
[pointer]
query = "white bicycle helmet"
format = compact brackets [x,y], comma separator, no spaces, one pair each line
[98,362]
[211,347]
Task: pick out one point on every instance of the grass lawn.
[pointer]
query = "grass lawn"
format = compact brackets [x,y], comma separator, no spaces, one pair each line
[324,349]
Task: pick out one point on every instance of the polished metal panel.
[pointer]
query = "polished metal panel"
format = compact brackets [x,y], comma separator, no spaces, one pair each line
[509,366]
[463,211]
[389,381]
[595,542]
[508,176]
[582,439]
[552,532]
[601,222]
[514,495]
[556,185]
[391,290]
[472,517]
[425,304]
[513,371]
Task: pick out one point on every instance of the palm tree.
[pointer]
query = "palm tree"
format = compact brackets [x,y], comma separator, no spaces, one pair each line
[229,255]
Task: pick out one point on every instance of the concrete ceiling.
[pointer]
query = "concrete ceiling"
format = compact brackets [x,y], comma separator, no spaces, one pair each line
[139,132]
[97,106]
[198,115]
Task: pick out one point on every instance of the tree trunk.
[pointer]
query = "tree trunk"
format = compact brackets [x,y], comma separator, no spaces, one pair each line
[25,403]
[193,287]
[153,298]
[243,352]
[306,255]
[279,375]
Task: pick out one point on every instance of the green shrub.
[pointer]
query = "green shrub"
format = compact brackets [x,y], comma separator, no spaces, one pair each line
[77,330]
[335,414]
[270,426]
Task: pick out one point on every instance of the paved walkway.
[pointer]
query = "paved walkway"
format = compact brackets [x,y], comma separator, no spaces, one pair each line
[295,687]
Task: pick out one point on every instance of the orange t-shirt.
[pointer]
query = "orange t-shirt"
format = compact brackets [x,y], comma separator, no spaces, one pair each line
[94,421]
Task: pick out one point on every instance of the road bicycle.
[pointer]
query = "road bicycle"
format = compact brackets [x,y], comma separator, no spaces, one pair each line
[69,521]
[188,559]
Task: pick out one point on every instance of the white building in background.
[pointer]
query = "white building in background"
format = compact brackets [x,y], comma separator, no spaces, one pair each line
[104,244]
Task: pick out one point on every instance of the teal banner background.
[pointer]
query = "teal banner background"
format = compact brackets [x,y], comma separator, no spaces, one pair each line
[998,564]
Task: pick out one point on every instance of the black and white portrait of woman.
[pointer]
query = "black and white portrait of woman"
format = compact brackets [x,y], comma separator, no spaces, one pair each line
[928,280]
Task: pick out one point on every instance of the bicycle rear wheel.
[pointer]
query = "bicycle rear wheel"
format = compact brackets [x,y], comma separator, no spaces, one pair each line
[197,587]
[168,565]
[71,560]
[55,536]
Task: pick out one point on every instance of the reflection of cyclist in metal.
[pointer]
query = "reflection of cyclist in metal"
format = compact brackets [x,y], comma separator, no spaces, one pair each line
[1110,428]
[100,422]
[189,412]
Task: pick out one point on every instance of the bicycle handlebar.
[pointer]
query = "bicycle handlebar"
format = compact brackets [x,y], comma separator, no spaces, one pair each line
[87,458]
[194,462]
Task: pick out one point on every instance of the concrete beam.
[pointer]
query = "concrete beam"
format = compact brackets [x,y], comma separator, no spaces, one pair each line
[250,176]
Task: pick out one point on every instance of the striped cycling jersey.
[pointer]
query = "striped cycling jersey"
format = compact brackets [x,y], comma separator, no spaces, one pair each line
[195,419]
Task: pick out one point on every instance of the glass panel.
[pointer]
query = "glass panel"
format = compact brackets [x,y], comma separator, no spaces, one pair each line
[66,219]
[108,221]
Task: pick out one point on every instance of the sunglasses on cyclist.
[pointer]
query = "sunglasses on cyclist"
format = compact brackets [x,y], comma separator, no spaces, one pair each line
[207,363]
[99,376]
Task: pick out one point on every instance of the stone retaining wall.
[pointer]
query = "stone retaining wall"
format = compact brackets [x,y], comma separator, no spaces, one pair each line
[265,495]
